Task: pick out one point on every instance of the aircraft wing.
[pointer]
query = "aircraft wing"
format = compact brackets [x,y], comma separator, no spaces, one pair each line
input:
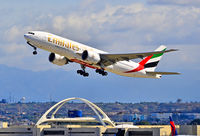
[109,59]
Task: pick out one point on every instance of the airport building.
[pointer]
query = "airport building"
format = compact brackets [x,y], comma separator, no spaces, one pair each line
[100,125]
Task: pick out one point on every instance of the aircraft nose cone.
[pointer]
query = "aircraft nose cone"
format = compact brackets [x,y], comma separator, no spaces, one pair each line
[26,36]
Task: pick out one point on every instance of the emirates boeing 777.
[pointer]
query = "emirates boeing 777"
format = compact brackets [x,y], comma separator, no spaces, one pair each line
[64,51]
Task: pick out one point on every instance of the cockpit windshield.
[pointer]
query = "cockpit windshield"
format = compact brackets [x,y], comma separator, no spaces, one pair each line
[31,33]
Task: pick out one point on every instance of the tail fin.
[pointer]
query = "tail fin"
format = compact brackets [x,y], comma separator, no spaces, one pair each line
[152,61]
[173,128]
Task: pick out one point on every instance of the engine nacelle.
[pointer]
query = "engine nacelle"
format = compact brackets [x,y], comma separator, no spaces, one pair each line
[57,59]
[91,57]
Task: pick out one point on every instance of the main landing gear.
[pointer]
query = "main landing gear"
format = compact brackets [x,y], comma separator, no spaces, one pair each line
[85,74]
[102,72]
[34,52]
[35,49]
[82,72]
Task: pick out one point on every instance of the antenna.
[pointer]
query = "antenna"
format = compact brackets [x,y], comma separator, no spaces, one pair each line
[50,98]
[22,100]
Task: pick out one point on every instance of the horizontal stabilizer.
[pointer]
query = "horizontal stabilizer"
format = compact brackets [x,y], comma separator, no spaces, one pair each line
[163,73]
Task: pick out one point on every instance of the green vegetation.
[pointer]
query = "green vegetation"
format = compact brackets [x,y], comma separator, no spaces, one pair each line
[143,122]
[195,122]
[19,112]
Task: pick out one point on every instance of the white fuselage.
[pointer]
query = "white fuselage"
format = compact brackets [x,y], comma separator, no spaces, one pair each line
[72,50]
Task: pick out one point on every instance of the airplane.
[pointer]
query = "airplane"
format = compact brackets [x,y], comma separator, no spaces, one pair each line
[64,51]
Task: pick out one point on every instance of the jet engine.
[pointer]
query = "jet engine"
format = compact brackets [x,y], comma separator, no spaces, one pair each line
[57,59]
[91,57]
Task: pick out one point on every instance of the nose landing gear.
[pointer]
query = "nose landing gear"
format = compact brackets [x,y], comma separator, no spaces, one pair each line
[35,49]
[34,52]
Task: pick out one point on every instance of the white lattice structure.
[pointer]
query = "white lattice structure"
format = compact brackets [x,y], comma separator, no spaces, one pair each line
[101,116]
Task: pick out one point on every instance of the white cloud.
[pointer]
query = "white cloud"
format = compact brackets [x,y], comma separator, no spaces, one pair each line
[12,34]
[86,3]
[176,2]
[136,23]
[116,28]
[13,54]
[20,55]
[58,23]
[13,48]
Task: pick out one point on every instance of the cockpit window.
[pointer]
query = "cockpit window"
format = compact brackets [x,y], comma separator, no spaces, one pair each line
[31,33]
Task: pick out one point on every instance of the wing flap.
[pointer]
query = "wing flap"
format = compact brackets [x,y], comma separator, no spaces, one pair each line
[163,73]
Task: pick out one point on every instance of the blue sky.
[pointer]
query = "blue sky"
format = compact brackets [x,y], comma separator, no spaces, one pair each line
[113,26]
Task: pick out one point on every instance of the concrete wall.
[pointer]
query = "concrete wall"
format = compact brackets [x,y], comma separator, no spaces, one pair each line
[188,130]
[70,131]
[80,131]
[3,124]
[198,130]
[18,131]
[143,132]
[165,130]
[99,131]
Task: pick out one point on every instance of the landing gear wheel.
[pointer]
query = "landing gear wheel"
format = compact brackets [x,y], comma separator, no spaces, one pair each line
[104,74]
[78,71]
[81,72]
[85,74]
[97,70]
[34,52]
[101,71]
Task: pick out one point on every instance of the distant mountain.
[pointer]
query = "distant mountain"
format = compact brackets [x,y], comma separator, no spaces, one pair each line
[55,84]
[35,86]
[59,84]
